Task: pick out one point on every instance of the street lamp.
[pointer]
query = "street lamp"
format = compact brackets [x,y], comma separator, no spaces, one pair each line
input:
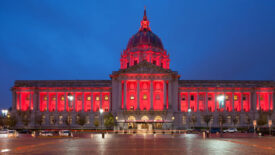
[221,99]
[4,112]
[101,112]
[189,111]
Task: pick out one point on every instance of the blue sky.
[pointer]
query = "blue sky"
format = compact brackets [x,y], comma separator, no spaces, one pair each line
[78,40]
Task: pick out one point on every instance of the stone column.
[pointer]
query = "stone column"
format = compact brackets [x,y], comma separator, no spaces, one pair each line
[138,98]
[151,95]
[56,102]
[125,95]
[232,98]
[269,100]
[241,101]
[65,101]
[92,100]
[119,95]
[164,94]
[259,101]
[48,101]
[198,102]
[215,103]
[20,106]
[188,101]
[100,99]
[74,102]
[83,102]
[206,101]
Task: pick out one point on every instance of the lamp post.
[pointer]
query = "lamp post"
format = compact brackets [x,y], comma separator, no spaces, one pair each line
[189,111]
[221,99]
[269,125]
[101,112]
[254,124]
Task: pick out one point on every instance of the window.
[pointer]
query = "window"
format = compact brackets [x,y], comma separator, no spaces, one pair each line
[43,119]
[135,62]
[161,65]
[87,120]
[62,98]
[184,120]
[60,119]
[79,98]
[183,98]
[209,98]
[106,97]
[97,98]
[228,119]
[144,97]
[52,120]
[28,97]
[106,109]
[132,97]
[45,98]
[227,98]
[244,98]
[192,97]
[235,97]
[89,98]
[154,62]
[128,65]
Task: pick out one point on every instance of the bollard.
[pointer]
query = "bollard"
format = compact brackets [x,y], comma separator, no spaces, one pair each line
[103,135]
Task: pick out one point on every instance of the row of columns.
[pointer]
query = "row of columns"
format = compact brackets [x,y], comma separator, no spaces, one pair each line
[138,94]
[36,101]
[215,101]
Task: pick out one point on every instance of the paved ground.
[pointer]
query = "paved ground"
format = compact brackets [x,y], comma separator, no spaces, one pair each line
[138,144]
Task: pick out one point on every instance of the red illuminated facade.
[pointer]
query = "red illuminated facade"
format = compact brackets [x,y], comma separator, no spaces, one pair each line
[143,93]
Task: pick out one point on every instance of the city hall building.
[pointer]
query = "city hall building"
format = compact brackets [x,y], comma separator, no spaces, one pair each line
[143,94]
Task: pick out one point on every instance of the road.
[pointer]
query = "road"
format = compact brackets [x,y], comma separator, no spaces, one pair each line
[138,144]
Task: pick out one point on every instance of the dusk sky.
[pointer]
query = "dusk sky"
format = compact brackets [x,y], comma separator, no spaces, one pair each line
[83,40]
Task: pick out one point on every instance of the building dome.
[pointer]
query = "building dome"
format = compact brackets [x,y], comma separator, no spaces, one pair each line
[145,38]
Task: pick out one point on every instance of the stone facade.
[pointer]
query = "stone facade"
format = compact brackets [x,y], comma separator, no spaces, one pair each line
[143,94]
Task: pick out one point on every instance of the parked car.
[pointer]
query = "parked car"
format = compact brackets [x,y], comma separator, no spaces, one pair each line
[65,133]
[45,133]
[250,130]
[215,130]
[231,130]
[8,133]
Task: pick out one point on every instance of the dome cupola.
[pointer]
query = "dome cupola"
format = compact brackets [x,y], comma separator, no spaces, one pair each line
[144,45]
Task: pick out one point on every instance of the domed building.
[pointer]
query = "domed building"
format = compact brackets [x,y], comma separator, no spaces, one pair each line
[143,95]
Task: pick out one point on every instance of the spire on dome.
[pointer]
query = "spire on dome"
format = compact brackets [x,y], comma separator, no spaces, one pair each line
[144,22]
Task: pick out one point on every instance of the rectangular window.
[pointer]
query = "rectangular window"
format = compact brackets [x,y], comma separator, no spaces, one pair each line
[192,97]
[60,119]
[209,98]
[135,62]
[154,62]
[128,65]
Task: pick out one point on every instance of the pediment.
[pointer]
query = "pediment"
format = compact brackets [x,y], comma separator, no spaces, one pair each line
[144,67]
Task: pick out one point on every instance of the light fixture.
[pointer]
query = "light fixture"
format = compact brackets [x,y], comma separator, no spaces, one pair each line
[101,111]
[70,97]
[189,110]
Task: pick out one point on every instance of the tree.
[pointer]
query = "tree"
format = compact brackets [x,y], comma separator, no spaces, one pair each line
[25,117]
[109,120]
[81,120]
[262,120]
[193,120]
[222,120]
[2,121]
[206,119]
[96,123]
[11,121]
